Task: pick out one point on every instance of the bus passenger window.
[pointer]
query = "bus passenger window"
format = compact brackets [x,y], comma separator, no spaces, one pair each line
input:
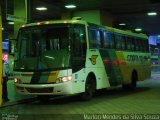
[130,43]
[101,39]
[112,43]
[123,42]
[94,38]
[106,40]
[136,44]
[118,40]
[140,46]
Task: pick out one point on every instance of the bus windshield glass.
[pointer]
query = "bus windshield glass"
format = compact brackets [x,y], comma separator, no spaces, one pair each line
[43,48]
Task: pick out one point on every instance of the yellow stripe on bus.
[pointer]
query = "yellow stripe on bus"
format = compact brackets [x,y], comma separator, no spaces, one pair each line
[53,76]
[123,67]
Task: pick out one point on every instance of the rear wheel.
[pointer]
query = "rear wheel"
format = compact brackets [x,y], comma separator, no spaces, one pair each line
[134,80]
[133,83]
[90,88]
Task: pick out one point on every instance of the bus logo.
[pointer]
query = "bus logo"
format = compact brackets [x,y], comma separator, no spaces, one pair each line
[93,59]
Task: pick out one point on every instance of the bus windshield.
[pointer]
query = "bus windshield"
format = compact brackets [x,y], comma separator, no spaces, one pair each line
[43,48]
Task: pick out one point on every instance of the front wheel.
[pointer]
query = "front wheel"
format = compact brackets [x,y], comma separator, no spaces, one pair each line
[90,88]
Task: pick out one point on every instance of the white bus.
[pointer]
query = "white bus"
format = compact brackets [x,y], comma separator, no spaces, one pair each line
[68,57]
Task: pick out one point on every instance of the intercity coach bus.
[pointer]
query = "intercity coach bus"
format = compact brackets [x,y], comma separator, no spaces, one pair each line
[66,57]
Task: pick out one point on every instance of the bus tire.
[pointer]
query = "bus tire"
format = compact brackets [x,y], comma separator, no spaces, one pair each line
[134,80]
[90,88]
[133,84]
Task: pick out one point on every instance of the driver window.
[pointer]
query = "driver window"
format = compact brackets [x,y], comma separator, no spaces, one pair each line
[79,46]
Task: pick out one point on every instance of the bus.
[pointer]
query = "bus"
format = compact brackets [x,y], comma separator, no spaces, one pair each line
[67,57]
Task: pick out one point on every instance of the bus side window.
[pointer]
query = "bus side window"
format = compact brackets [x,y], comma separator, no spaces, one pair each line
[123,42]
[140,45]
[111,40]
[94,38]
[106,39]
[101,39]
[119,41]
[130,43]
[136,45]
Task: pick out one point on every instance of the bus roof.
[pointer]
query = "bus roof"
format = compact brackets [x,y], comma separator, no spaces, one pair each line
[125,32]
[54,22]
[73,21]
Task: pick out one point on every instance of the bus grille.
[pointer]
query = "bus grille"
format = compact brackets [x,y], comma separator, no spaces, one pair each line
[40,90]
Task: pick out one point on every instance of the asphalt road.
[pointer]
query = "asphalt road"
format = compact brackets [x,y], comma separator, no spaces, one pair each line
[142,103]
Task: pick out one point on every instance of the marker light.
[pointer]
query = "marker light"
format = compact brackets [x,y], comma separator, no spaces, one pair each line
[70,6]
[38,23]
[23,25]
[41,8]
[47,22]
[11,23]
[122,24]
[152,14]
[64,21]
[138,29]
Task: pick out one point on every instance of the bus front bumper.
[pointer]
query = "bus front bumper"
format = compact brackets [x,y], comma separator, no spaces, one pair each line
[45,89]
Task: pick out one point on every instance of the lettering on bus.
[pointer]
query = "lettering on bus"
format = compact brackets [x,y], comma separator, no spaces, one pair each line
[93,59]
[137,58]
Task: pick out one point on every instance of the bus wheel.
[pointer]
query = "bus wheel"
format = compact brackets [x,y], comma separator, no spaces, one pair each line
[134,80]
[133,84]
[90,88]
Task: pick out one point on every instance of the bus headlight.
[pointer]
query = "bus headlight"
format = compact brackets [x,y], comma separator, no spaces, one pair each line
[17,80]
[64,79]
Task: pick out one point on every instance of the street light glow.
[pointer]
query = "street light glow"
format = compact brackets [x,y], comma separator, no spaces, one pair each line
[41,8]
[151,13]
[70,6]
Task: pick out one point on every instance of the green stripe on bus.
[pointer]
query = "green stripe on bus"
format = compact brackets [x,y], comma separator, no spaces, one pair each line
[112,69]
